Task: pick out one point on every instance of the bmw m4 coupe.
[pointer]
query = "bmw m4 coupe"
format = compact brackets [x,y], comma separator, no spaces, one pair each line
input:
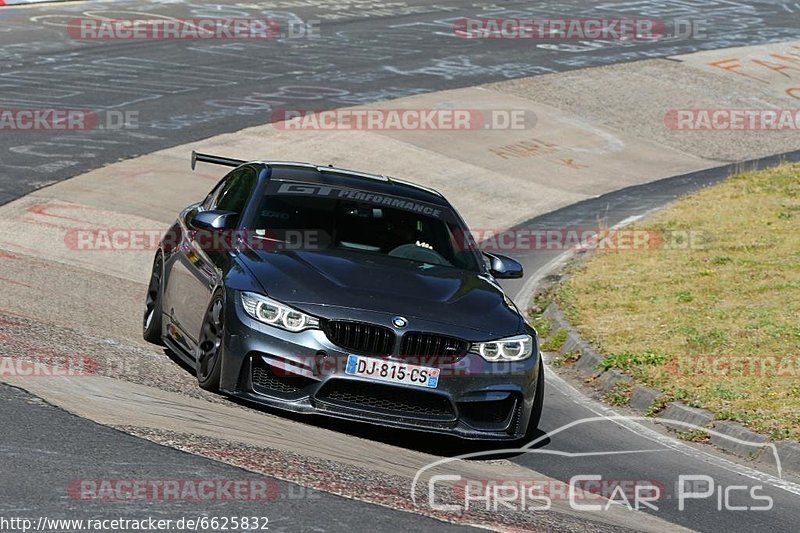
[326,291]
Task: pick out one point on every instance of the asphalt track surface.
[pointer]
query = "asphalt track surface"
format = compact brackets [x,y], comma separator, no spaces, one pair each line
[366,51]
[50,449]
[184,91]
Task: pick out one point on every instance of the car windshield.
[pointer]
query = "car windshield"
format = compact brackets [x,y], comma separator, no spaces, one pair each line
[336,224]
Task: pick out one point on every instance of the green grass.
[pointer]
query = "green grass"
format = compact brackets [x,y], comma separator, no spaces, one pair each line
[555,342]
[541,324]
[697,435]
[630,361]
[565,360]
[661,314]
[620,395]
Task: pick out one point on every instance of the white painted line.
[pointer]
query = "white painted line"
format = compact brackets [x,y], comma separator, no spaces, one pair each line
[672,443]
[579,398]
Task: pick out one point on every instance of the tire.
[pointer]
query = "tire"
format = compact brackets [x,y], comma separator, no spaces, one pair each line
[152,318]
[538,404]
[209,348]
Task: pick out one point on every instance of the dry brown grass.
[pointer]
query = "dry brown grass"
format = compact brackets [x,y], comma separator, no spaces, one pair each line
[667,316]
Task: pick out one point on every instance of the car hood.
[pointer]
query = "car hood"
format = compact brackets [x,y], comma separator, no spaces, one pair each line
[445,295]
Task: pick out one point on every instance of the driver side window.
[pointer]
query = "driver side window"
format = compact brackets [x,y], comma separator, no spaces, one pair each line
[210,200]
[234,192]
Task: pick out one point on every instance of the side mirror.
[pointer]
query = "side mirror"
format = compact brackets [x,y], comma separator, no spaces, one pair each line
[503,267]
[215,220]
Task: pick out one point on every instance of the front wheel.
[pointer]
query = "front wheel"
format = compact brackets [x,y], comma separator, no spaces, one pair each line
[151,324]
[538,404]
[209,349]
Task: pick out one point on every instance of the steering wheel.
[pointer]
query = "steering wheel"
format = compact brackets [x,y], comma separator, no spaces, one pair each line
[418,253]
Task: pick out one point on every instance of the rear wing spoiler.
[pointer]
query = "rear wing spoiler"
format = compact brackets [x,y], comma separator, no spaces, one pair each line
[215,159]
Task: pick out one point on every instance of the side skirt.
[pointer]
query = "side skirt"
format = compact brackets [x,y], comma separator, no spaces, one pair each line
[180,352]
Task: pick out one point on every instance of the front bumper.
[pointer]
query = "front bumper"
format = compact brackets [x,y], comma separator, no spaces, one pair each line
[305,373]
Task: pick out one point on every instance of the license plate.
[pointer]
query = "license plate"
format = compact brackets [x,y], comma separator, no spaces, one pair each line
[392,371]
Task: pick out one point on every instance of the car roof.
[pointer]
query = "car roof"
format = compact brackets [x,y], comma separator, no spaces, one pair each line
[375,183]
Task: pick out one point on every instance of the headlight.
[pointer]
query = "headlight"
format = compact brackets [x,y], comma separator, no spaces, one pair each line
[510,349]
[276,314]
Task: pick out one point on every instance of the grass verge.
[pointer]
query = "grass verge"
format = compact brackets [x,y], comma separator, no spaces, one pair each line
[709,309]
